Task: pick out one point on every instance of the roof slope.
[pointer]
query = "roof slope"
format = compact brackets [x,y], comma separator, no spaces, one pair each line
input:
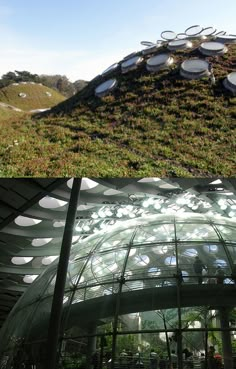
[151,124]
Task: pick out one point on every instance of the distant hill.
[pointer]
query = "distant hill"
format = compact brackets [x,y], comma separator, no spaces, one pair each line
[29,95]
[80,85]
[57,82]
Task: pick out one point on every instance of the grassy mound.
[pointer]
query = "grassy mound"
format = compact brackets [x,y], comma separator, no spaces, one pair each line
[36,96]
[156,124]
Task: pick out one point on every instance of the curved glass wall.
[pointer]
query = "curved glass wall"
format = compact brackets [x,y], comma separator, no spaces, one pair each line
[135,287]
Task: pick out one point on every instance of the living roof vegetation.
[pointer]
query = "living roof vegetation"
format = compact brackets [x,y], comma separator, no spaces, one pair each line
[151,124]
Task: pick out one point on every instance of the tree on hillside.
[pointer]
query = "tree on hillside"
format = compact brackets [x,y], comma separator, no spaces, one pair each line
[80,84]
[24,76]
[59,83]
[18,76]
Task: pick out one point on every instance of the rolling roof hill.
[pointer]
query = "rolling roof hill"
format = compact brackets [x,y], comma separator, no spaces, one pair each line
[170,122]
[29,96]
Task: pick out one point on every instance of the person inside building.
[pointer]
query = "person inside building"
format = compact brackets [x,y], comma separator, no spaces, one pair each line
[220,275]
[174,359]
[123,359]
[218,361]
[203,361]
[211,359]
[162,362]
[95,359]
[153,359]
[198,267]
[138,364]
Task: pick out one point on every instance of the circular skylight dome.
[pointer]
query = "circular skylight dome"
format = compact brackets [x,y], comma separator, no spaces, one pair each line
[226,39]
[20,260]
[232,78]
[131,64]
[193,30]
[51,203]
[147,43]
[26,222]
[150,49]
[111,68]
[168,35]
[195,66]
[181,36]
[158,62]
[212,48]
[208,31]
[194,69]
[22,95]
[230,82]
[106,87]
[179,45]
[129,56]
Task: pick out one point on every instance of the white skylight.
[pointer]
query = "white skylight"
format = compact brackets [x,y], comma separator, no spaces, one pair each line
[170,260]
[20,260]
[48,260]
[59,224]
[149,180]
[51,203]
[30,278]
[86,184]
[26,222]
[37,242]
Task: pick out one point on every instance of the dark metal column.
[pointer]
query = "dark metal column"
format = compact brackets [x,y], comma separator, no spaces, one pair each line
[57,302]
[91,346]
[121,282]
[226,338]
[178,290]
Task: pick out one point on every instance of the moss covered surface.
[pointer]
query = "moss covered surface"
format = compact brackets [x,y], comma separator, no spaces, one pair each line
[152,125]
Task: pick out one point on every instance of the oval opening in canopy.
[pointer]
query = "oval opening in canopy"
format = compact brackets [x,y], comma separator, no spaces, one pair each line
[21,260]
[26,222]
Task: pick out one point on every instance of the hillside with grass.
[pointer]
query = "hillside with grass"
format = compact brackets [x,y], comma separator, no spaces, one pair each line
[29,96]
[152,124]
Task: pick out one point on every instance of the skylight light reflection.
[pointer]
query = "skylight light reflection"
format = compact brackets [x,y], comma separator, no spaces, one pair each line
[37,242]
[49,202]
[20,260]
[26,222]
[30,278]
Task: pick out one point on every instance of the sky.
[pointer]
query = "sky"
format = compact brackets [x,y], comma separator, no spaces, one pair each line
[81,38]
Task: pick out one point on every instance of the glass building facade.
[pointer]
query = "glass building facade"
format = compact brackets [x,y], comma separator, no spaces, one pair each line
[135,287]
